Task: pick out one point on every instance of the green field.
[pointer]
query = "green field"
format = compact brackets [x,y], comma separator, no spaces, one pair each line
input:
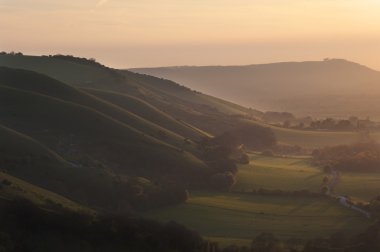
[296,173]
[282,173]
[241,217]
[313,139]
[359,186]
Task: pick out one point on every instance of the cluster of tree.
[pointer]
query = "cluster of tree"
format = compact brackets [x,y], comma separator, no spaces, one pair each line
[24,227]
[223,152]
[373,206]
[223,167]
[279,117]
[279,192]
[333,124]
[11,53]
[355,157]
[254,137]
[266,242]
[352,123]
[90,61]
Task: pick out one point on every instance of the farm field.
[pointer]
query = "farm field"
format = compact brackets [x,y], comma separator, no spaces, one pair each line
[240,217]
[359,186]
[314,139]
[284,173]
[295,173]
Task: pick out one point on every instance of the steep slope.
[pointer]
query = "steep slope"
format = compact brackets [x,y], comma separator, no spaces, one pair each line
[90,152]
[47,86]
[209,114]
[33,171]
[321,88]
[148,112]
[13,188]
[169,97]
[70,70]
[48,118]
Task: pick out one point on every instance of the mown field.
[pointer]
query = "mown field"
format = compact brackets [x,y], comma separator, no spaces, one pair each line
[284,173]
[229,217]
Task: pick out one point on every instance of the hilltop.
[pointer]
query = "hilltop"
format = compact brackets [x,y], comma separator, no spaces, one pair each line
[333,87]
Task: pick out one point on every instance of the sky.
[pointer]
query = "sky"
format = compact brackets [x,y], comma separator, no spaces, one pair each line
[142,33]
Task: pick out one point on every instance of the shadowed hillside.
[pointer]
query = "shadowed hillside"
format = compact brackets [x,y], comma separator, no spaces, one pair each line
[165,103]
[67,141]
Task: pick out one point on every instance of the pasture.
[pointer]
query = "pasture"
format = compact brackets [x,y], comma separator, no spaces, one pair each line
[284,173]
[226,217]
[312,139]
[359,186]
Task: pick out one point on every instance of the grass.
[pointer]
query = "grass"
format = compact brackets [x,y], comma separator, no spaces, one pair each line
[39,196]
[148,112]
[64,70]
[286,174]
[62,117]
[296,173]
[240,217]
[359,186]
[313,139]
[44,85]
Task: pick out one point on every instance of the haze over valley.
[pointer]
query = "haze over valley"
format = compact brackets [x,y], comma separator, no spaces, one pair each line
[328,88]
[189,126]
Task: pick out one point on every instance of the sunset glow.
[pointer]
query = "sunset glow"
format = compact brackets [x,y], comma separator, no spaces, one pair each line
[187,32]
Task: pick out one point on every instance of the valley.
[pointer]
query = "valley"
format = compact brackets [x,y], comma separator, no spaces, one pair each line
[79,136]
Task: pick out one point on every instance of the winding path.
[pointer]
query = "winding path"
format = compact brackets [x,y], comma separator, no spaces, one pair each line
[343,200]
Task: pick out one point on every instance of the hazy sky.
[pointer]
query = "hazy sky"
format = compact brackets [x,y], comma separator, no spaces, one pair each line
[133,33]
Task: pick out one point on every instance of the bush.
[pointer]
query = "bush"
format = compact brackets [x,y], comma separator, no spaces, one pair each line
[355,157]
[223,181]
[252,136]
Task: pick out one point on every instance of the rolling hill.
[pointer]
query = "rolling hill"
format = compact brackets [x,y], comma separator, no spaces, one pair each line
[76,135]
[56,137]
[165,103]
[332,87]
[188,107]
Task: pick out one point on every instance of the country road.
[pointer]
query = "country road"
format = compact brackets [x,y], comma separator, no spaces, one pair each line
[343,200]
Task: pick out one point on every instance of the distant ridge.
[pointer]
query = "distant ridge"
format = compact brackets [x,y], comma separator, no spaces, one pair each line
[332,87]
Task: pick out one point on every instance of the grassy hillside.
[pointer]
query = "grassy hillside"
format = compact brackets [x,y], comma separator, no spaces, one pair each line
[241,217]
[12,188]
[58,117]
[44,85]
[67,70]
[69,142]
[13,141]
[146,95]
[320,88]
[148,112]
[204,112]
[31,166]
